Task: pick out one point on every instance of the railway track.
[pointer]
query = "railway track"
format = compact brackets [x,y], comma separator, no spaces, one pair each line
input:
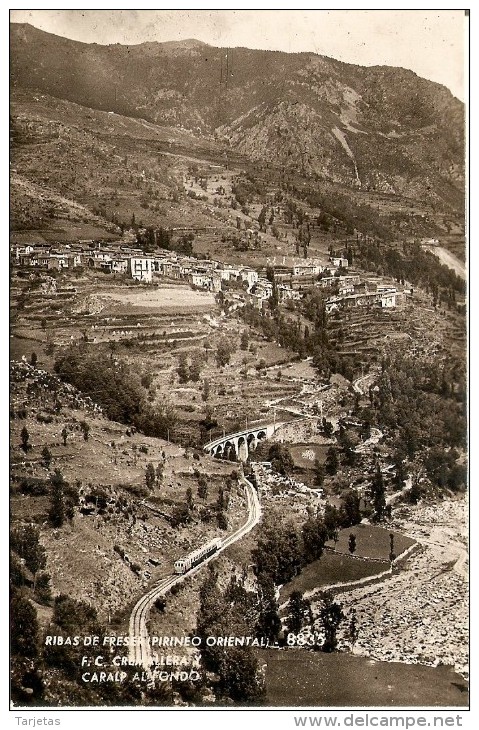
[139,647]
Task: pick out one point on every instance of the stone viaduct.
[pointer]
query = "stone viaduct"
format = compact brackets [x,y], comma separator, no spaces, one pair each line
[238,445]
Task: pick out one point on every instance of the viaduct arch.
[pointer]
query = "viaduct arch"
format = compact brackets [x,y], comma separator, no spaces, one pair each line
[238,445]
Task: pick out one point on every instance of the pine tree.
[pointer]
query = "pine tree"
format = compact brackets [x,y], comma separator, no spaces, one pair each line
[182,369]
[85,429]
[239,677]
[57,506]
[352,543]
[350,512]
[319,473]
[194,370]
[244,341]
[206,389]
[269,623]
[332,461]
[392,554]
[378,492]
[43,588]
[24,540]
[24,627]
[297,611]
[224,351]
[314,535]
[46,456]
[331,615]
[159,473]
[332,520]
[220,502]
[353,630]
[221,521]
[150,476]
[202,487]
[25,437]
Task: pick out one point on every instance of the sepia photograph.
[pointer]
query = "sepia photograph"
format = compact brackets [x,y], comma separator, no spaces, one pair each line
[238,360]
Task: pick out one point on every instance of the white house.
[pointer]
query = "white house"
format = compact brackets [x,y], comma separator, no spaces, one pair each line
[306,269]
[339,261]
[264,289]
[22,251]
[201,280]
[119,265]
[141,268]
[388,299]
[249,275]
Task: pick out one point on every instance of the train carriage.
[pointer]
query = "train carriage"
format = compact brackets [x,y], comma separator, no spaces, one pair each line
[197,556]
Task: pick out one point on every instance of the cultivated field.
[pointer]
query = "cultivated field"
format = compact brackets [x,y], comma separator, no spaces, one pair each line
[372,542]
[159,298]
[331,568]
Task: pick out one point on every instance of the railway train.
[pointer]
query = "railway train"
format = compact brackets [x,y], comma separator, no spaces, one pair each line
[184,564]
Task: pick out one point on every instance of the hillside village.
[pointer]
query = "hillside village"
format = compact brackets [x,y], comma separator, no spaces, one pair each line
[350,289]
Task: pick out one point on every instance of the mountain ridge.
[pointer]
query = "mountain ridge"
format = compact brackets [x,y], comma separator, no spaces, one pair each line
[382,128]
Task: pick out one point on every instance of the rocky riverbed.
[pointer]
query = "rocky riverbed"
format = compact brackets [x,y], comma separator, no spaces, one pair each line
[420,614]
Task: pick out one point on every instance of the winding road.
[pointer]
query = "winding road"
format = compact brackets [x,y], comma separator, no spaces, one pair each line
[139,645]
[357,384]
